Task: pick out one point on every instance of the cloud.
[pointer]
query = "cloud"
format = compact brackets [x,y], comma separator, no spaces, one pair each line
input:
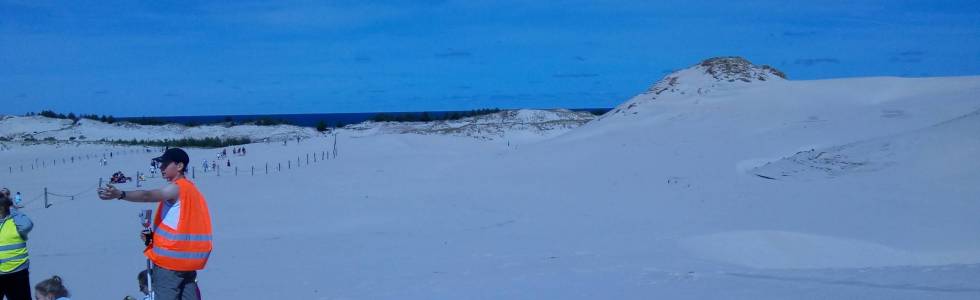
[813,61]
[799,33]
[908,56]
[575,75]
[362,59]
[509,97]
[911,53]
[299,15]
[453,54]
[458,97]
[181,7]
[370,91]
[905,60]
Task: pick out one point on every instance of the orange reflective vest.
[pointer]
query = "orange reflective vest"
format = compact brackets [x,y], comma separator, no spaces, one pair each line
[187,247]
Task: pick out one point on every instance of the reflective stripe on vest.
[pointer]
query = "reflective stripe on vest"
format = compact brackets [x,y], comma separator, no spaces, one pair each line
[13,248]
[13,258]
[188,247]
[182,254]
[183,237]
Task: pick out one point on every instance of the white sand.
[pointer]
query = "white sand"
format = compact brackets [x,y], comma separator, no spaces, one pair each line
[664,203]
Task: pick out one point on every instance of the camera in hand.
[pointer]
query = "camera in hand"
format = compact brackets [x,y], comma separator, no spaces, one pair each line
[147,237]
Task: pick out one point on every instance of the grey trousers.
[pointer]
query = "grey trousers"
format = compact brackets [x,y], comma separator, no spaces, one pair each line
[175,285]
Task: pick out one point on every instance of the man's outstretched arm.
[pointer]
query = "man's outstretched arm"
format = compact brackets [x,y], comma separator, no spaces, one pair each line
[110,192]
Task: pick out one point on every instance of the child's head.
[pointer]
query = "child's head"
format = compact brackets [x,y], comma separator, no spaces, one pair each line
[50,289]
[141,278]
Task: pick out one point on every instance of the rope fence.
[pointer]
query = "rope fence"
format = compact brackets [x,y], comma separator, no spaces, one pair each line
[217,169]
[38,163]
[307,159]
[47,196]
[48,203]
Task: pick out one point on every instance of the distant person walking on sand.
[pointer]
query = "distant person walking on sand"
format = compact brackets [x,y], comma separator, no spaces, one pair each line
[181,240]
[51,289]
[14,226]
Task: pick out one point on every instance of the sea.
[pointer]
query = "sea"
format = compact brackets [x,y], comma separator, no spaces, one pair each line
[309,120]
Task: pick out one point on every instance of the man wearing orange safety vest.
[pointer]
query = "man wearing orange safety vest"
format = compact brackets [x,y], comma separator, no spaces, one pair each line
[181,240]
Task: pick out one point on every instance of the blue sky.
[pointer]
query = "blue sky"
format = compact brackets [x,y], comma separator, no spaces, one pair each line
[151,58]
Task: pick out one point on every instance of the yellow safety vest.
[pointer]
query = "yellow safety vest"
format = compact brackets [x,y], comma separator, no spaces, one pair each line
[13,248]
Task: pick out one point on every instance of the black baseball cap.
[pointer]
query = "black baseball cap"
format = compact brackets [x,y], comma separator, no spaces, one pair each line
[173,155]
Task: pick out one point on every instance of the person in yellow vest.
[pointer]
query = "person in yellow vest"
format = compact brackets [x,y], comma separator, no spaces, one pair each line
[15,282]
[181,240]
